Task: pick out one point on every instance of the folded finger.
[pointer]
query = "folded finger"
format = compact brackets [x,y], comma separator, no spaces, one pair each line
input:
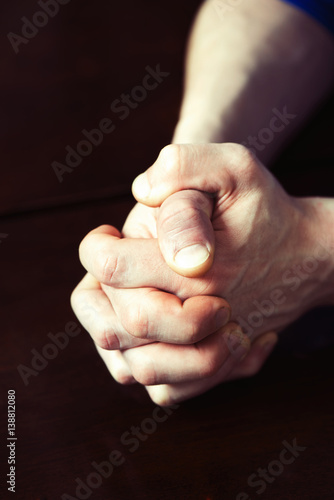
[247,365]
[207,167]
[160,363]
[117,366]
[153,315]
[136,263]
[96,314]
[261,349]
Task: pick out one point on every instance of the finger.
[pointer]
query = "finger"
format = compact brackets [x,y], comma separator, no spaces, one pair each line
[167,394]
[96,314]
[141,222]
[106,256]
[207,167]
[142,322]
[153,315]
[261,349]
[117,366]
[126,262]
[185,232]
[136,263]
[160,363]
[88,252]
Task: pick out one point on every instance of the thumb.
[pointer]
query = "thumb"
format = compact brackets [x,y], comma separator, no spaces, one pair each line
[185,232]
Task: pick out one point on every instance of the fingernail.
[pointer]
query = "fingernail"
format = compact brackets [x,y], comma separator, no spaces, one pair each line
[192,256]
[236,342]
[222,317]
[140,186]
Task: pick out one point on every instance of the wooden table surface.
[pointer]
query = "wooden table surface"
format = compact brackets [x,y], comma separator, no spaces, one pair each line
[79,433]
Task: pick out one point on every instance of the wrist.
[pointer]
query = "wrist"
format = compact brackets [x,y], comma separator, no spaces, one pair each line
[197,129]
[319,231]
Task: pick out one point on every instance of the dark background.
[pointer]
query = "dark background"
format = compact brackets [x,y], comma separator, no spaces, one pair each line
[72,413]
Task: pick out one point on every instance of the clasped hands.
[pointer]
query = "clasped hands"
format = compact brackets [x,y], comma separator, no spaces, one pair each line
[212,232]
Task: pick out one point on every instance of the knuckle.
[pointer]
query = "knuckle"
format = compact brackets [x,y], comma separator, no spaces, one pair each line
[106,267]
[209,365]
[106,338]
[145,373]
[75,299]
[241,151]
[84,246]
[81,307]
[242,155]
[245,160]
[161,395]
[136,321]
[170,156]
[83,243]
[192,331]
[122,376]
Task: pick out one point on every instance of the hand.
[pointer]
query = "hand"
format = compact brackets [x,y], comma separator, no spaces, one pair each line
[263,238]
[246,361]
[93,306]
[241,150]
[273,252]
[224,355]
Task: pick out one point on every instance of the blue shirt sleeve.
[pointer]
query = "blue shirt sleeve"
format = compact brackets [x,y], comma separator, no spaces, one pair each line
[321,10]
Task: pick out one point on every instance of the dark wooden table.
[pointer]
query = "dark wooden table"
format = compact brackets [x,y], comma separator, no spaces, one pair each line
[76,428]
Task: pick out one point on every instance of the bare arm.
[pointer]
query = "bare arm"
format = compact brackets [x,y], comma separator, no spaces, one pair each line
[247,64]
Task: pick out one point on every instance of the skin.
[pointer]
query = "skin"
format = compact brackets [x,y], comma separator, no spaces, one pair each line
[243,62]
[222,197]
[260,234]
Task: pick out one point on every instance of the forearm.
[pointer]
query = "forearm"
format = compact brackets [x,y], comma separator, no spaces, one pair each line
[245,62]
